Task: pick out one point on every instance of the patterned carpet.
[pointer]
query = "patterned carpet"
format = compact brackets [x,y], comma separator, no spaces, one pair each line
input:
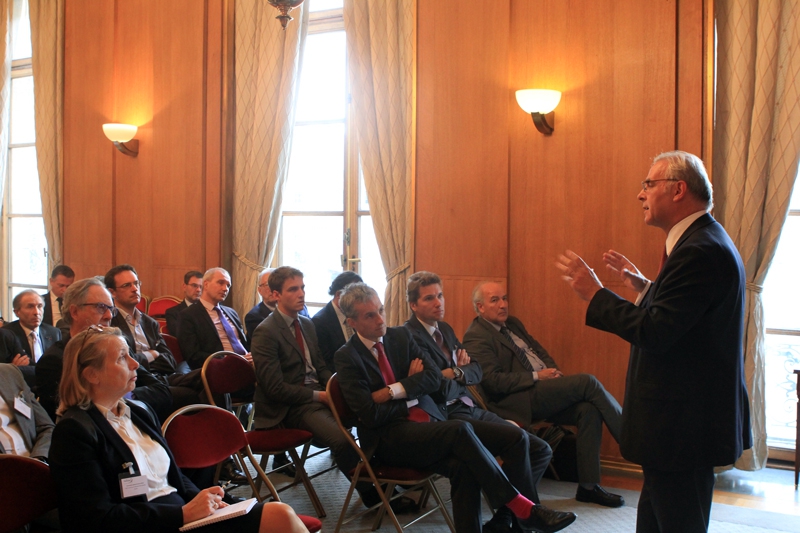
[332,489]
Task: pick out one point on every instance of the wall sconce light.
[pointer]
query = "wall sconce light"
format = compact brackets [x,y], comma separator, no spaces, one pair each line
[540,103]
[122,135]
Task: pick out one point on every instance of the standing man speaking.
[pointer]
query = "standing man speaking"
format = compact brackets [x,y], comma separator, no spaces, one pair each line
[686,408]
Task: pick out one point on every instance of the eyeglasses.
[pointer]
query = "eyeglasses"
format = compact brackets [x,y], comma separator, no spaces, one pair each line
[130,284]
[646,184]
[263,285]
[102,308]
[195,286]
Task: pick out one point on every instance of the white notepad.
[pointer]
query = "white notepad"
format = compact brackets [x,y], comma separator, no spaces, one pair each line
[231,511]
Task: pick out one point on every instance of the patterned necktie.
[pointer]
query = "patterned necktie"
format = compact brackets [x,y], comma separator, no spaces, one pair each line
[236,344]
[519,352]
[437,336]
[36,348]
[415,414]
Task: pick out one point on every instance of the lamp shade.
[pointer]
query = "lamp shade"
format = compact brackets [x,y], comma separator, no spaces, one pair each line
[120,132]
[538,100]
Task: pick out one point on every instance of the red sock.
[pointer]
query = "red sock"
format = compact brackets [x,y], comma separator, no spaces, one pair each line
[520,506]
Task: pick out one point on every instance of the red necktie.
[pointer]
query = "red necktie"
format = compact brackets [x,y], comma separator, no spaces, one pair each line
[663,259]
[415,414]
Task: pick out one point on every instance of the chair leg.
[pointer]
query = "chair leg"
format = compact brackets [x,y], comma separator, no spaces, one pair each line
[300,468]
[442,508]
[261,474]
[347,501]
[386,508]
[256,491]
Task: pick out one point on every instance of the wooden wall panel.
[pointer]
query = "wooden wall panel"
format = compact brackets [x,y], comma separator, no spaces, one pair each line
[152,71]
[462,138]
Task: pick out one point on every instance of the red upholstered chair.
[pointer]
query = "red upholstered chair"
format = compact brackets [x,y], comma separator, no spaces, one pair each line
[378,476]
[143,303]
[221,435]
[175,348]
[26,491]
[226,373]
[158,307]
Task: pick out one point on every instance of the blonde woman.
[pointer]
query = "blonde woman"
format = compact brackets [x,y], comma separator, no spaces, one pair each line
[100,439]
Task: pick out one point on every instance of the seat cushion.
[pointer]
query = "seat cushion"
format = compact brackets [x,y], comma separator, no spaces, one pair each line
[276,440]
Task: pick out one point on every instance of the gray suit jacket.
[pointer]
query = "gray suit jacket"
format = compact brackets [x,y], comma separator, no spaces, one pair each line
[280,368]
[506,381]
[36,430]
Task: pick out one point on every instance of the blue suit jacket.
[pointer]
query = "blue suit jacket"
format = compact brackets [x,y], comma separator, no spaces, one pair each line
[686,404]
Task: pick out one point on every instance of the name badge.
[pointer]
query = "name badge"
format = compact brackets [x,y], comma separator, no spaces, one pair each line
[132,484]
[22,408]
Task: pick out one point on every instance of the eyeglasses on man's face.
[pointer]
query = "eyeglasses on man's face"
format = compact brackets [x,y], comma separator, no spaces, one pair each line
[130,284]
[101,308]
[647,184]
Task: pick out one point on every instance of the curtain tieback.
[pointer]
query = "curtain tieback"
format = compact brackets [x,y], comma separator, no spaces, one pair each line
[247,262]
[398,270]
[758,289]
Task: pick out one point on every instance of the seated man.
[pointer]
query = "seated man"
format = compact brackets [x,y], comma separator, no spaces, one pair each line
[262,309]
[34,336]
[87,303]
[522,383]
[144,339]
[192,288]
[61,278]
[439,341]
[386,379]
[332,330]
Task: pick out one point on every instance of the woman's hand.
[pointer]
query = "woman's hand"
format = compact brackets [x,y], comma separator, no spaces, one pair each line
[204,504]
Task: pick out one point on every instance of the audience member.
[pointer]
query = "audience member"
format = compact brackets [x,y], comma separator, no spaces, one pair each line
[101,438]
[88,303]
[523,383]
[332,328]
[25,428]
[12,351]
[437,339]
[61,278]
[686,406]
[386,380]
[34,336]
[192,289]
[261,310]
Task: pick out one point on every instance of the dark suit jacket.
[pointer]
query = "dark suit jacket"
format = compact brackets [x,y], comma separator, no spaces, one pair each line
[49,336]
[173,317]
[281,368]
[329,332]
[47,316]
[164,364]
[254,317]
[505,381]
[450,388]
[149,389]
[686,404]
[10,345]
[360,376]
[36,430]
[198,337]
[86,459]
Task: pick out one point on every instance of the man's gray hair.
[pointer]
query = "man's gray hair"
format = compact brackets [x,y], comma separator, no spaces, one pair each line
[265,272]
[211,271]
[77,293]
[354,294]
[477,295]
[17,303]
[689,168]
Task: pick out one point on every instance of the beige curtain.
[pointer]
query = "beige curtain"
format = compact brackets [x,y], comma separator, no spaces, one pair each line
[47,36]
[756,150]
[6,10]
[381,58]
[268,62]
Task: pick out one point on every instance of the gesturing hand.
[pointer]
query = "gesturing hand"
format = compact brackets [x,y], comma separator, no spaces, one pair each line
[618,264]
[577,273]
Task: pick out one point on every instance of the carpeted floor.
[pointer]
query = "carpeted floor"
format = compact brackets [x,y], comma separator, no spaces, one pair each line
[332,488]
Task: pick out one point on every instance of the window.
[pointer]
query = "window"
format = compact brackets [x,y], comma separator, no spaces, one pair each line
[23,237]
[782,345]
[326,225]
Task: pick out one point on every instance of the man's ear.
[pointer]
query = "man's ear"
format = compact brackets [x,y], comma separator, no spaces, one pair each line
[680,191]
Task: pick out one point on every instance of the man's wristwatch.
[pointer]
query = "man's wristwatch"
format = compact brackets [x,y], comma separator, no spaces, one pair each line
[458,373]
[391,393]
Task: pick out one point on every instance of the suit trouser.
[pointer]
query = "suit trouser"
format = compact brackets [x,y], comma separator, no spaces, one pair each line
[452,449]
[579,400]
[524,459]
[675,502]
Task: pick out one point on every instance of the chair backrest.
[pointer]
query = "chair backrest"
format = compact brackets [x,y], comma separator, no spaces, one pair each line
[158,307]
[227,372]
[143,304]
[26,491]
[175,348]
[203,435]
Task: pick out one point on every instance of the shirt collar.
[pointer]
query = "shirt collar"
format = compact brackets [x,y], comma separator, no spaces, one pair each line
[678,229]
[495,326]
[289,320]
[124,411]
[339,313]
[207,305]
[368,343]
[187,302]
[136,314]
[430,329]
[28,331]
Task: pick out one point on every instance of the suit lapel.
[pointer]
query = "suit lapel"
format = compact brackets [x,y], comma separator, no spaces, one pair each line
[425,337]
[288,335]
[367,357]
